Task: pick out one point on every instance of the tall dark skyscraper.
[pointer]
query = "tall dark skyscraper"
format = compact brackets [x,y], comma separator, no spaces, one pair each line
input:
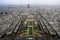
[28,5]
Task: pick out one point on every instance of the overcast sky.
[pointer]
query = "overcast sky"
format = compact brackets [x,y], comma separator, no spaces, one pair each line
[17,2]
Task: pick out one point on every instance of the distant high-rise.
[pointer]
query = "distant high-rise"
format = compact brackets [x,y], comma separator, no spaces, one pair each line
[28,5]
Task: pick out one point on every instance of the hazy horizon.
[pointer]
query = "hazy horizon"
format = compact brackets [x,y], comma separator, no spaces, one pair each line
[32,2]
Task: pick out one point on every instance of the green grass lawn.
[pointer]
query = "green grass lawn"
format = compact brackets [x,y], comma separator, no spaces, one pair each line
[30,30]
[30,25]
